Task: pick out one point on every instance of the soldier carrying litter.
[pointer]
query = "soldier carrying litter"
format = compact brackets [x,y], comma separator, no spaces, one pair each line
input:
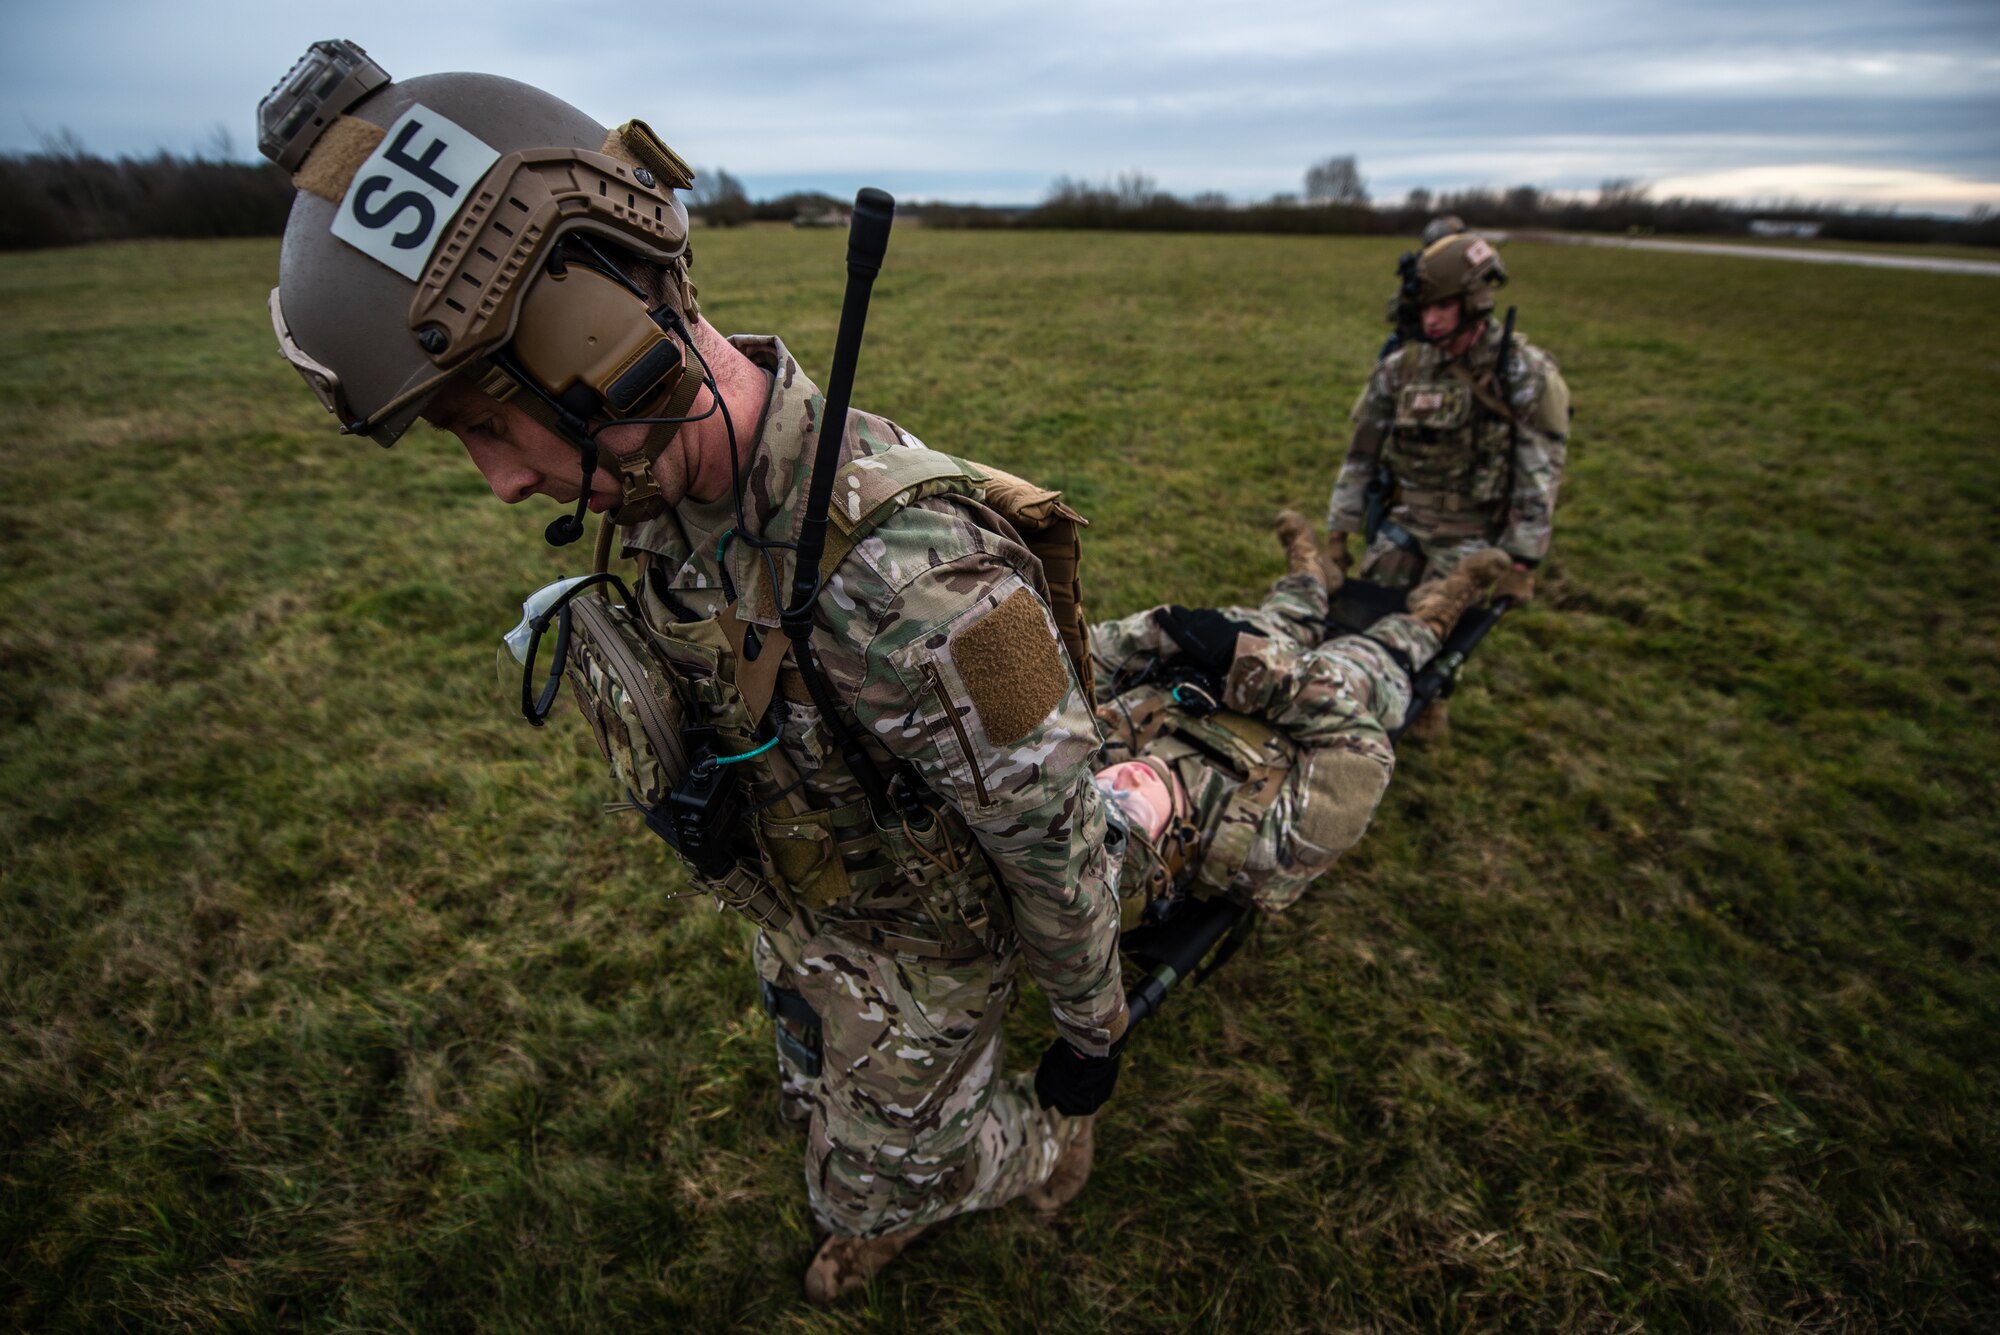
[1459,438]
[867,736]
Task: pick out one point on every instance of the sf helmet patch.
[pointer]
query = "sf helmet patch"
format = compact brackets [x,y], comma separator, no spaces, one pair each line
[403,197]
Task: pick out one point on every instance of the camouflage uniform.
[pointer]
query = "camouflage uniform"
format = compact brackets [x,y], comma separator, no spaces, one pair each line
[1294,613]
[910,1119]
[1299,790]
[1465,480]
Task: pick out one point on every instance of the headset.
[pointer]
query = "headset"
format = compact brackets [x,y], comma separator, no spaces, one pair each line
[594,351]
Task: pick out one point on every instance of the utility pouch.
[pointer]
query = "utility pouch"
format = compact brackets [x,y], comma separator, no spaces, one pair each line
[951,872]
[632,704]
[636,700]
[802,850]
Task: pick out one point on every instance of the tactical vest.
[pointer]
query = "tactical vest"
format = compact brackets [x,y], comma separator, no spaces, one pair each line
[1450,449]
[791,850]
[1231,765]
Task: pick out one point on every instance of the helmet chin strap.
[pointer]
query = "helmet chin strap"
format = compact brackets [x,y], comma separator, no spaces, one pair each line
[1466,329]
[638,488]
[566,529]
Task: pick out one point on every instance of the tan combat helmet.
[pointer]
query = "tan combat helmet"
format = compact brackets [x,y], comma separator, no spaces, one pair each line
[1465,266]
[426,214]
[1440,227]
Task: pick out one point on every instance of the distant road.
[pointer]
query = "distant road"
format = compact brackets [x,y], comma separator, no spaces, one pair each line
[1867,260]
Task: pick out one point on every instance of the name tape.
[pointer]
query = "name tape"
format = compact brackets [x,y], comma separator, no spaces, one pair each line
[404,196]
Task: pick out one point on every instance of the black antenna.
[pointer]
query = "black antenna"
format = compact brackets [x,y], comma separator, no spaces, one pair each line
[867,242]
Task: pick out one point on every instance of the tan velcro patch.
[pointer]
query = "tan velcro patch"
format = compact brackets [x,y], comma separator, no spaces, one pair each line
[1342,791]
[635,142]
[1011,667]
[1552,407]
[331,165]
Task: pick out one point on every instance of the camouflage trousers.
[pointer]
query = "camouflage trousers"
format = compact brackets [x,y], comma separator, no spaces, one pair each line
[1294,612]
[1368,670]
[1334,701]
[1395,567]
[911,1118]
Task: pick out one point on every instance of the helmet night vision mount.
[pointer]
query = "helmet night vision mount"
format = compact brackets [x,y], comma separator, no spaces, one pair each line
[464,223]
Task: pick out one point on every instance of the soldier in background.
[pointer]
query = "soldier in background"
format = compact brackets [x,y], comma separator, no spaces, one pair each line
[473,250]
[1459,438]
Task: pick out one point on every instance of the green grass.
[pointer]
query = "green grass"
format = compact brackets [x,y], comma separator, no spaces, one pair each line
[1662,995]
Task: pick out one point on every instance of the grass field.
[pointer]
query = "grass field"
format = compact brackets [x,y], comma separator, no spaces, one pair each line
[1662,996]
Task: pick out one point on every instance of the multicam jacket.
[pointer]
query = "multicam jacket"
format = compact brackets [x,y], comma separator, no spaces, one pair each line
[935,627]
[1461,471]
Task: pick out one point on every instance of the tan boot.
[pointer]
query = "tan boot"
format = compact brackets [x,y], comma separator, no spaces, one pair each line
[1441,602]
[845,1264]
[1302,555]
[1066,1179]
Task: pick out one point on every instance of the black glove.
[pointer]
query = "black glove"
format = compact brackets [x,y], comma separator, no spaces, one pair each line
[1206,637]
[1073,1084]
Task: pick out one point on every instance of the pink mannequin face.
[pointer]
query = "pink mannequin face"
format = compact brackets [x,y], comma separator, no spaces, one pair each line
[1140,792]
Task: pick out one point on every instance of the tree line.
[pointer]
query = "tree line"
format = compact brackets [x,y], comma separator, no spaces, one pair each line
[64,195]
[1336,201]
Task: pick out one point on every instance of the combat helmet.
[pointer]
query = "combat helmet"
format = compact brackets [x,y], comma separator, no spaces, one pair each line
[428,215]
[1464,266]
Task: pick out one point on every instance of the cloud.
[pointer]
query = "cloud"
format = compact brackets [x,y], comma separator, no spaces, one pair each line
[995,100]
[1932,191]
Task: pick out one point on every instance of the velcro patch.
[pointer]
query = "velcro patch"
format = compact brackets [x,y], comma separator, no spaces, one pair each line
[403,198]
[1552,411]
[1439,405]
[1342,791]
[1011,667]
[331,165]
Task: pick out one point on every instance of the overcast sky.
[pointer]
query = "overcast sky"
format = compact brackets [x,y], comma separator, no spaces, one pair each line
[1873,103]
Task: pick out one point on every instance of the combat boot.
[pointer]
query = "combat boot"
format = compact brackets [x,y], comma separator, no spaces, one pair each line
[845,1264]
[1441,602]
[1066,1179]
[1302,554]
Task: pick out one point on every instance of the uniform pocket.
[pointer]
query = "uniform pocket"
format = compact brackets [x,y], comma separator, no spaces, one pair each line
[947,721]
